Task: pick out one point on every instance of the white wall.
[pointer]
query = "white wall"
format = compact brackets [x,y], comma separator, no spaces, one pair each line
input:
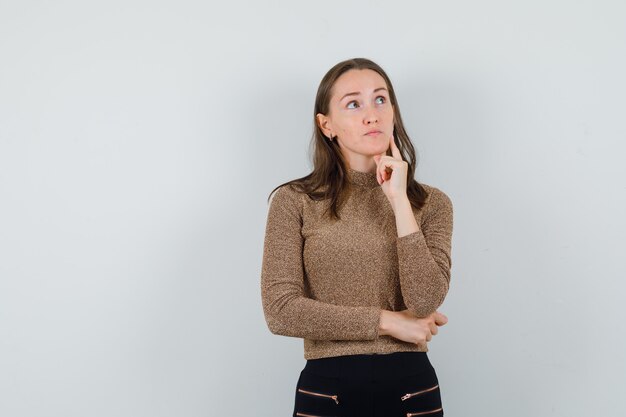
[139,142]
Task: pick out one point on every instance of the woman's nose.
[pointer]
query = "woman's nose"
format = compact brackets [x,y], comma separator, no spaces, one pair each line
[371,116]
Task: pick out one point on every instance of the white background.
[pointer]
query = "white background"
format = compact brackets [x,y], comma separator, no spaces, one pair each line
[139,141]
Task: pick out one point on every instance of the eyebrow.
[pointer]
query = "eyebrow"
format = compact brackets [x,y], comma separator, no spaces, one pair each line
[356,93]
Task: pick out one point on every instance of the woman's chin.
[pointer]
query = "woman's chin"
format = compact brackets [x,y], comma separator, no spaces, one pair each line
[380,149]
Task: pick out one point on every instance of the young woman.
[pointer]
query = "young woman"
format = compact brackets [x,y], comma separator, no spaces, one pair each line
[356,257]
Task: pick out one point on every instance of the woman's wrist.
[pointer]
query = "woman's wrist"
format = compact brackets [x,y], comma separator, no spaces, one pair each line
[385,322]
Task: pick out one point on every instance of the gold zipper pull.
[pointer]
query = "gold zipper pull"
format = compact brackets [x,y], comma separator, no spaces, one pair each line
[409,395]
[319,394]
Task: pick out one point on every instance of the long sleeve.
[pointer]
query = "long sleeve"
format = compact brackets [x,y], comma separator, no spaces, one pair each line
[287,310]
[424,259]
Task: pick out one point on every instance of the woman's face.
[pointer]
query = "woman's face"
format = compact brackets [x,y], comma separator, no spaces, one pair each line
[359,104]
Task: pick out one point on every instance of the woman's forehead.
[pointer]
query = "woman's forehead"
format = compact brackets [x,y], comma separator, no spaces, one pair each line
[358,81]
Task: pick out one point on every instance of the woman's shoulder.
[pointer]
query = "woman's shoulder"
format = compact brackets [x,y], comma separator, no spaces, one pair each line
[286,193]
[436,198]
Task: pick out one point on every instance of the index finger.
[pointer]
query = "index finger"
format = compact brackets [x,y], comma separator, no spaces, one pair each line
[395,152]
[440,319]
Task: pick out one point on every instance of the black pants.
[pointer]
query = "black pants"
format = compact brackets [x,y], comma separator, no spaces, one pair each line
[401,384]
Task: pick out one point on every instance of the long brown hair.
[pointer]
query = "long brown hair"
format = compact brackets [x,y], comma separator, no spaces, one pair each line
[328,180]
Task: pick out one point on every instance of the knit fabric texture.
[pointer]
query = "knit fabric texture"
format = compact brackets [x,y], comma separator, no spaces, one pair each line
[327,281]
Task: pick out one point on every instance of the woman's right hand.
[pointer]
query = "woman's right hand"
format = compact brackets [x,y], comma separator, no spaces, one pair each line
[405,326]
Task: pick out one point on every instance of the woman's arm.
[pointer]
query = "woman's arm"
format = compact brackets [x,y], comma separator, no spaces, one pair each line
[424,259]
[403,325]
[287,310]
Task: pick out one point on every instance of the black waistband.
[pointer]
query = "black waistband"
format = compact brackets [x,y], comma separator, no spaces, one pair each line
[370,365]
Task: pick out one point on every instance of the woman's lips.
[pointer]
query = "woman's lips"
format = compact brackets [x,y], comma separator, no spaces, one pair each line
[373,133]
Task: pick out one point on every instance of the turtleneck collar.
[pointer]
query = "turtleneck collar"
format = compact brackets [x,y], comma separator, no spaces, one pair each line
[364,179]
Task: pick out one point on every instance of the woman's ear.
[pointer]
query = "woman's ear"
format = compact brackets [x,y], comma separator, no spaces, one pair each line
[323,122]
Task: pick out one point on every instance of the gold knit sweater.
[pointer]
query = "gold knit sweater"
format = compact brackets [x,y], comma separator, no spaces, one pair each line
[328,281]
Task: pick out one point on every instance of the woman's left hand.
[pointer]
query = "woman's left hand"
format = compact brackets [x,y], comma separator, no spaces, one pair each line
[391,173]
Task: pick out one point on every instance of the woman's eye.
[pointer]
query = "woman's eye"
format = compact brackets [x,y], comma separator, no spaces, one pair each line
[351,103]
[381,97]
